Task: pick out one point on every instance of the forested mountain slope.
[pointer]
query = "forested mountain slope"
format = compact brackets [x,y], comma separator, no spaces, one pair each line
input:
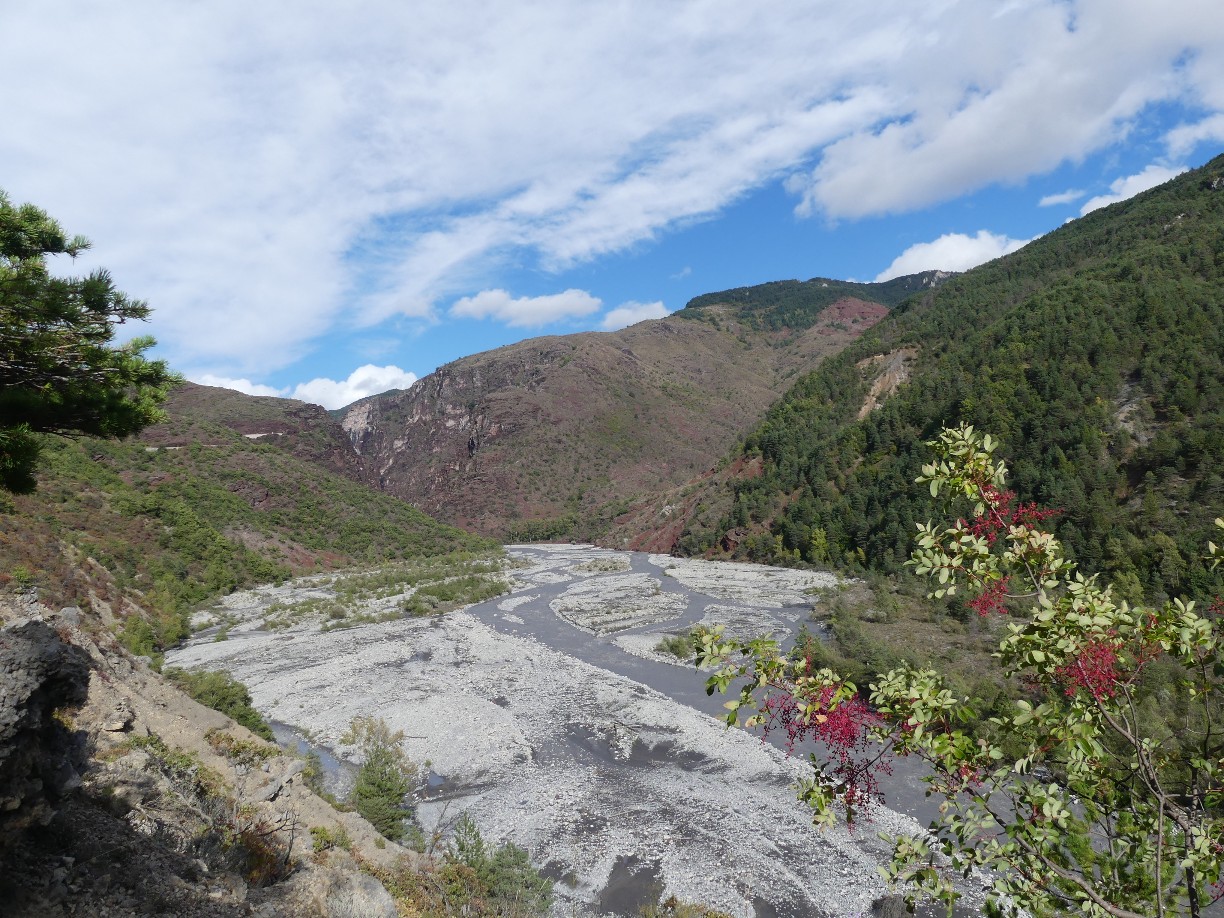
[1095,353]
[193,508]
[794,305]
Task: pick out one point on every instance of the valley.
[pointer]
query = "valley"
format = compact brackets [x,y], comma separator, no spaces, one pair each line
[507,562]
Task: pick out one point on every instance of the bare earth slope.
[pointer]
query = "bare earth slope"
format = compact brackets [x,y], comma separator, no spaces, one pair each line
[552,437]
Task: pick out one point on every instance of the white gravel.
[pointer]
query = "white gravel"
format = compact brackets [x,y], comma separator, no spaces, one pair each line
[577,764]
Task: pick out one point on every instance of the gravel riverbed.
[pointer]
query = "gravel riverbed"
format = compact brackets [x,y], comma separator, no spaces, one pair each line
[556,725]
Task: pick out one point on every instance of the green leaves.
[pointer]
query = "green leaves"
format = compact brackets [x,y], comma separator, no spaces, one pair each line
[386,776]
[1073,799]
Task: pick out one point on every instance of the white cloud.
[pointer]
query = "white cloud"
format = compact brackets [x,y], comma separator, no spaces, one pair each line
[268,174]
[526,311]
[631,312]
[1131,185]
[1063,197]
[330,393]
[988,93]
[363,381]
[951,252]
[1184,138]
[238,385]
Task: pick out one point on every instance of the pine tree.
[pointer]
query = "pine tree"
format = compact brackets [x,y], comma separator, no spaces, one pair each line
[58,371]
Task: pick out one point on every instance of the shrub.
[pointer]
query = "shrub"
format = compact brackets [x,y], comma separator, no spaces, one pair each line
[324,839]
[505,877]
[386,777]
[1101,795]
[222,692]
[679,646]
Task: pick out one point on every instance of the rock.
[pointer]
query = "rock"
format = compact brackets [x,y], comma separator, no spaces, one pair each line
[119,719]
[889,907]
[71,615]
[40,760]
[335,893]
[268,792]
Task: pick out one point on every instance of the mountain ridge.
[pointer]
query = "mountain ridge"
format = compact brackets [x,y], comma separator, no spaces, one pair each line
[570,426]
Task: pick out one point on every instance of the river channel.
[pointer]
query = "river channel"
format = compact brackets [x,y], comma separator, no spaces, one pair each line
[548,716]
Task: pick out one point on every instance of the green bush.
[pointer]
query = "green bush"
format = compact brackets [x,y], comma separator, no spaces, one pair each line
[222,692]
[385,779]
[505,878]
[679,646]
[323,838]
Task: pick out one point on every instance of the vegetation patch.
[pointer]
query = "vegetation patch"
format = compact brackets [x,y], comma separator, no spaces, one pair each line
[471,878]
[240,751]
[603,566]
[222,692]
[682,646]
[325,839]
[423,587]
[386,779]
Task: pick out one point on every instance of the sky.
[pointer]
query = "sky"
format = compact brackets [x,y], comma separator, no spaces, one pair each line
[324,201]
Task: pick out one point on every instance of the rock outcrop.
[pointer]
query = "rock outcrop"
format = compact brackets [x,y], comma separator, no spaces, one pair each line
[40,759]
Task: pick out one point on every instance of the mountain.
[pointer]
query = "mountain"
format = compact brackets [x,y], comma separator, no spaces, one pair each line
[195,508]
[1096,354]
[554,437]
[306,431]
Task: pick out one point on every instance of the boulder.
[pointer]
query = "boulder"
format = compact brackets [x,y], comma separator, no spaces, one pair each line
[41,760]
[334,893]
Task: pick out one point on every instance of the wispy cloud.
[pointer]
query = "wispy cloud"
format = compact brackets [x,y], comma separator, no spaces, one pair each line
[1185,137]
[631,313]
[363,381]
[1131,185]
[1064,197]
[951,252]
[267,173]
[330,393]
[238,385]
[526,311]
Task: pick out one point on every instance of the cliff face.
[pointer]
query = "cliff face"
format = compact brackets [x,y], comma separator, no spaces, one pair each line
[39,760]
[566,428]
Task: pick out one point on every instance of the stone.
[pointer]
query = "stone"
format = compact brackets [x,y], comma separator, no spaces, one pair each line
[269,791]
[331,893]
[40,759]
[119,718]
[71,615]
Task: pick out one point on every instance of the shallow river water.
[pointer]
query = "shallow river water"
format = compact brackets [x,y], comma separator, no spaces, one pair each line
[549,717]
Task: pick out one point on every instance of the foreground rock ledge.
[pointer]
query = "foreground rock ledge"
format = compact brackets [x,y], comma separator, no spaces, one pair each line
[92,826]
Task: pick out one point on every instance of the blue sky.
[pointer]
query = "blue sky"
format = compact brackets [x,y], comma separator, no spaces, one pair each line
[324,203]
